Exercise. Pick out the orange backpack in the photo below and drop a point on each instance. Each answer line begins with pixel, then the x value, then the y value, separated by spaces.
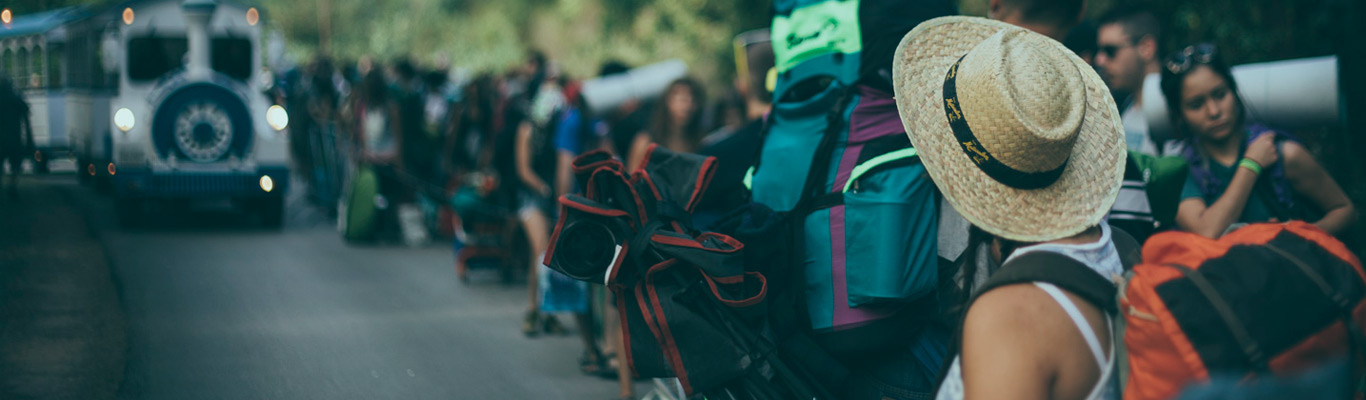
pixel 1267 298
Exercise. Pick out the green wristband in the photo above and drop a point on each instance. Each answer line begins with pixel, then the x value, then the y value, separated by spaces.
pixel 1251 165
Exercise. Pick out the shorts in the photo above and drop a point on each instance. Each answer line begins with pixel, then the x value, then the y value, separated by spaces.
pixel 533 202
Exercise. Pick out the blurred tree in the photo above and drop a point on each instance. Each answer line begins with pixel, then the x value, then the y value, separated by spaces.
pixel 31 6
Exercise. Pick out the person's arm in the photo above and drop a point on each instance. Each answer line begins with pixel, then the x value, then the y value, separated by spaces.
pixel 524 169
pixel 1309 179
pixel 1193 215
pixel 637 155
pixel 564 173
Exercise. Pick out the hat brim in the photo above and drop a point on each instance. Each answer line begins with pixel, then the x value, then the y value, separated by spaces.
pixel 1080 198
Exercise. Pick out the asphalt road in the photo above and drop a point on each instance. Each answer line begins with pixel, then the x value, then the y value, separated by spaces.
pixel 218 308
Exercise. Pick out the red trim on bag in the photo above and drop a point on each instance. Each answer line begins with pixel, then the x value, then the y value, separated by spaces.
pixel 649 152
pixel 645 311
pixel 607 160
pixel 704 177
pixel 697 243
pixel 616 268
pixel 670 347
pixel 746 302
pixel 592 180
pixel 606 212
pixel 625 331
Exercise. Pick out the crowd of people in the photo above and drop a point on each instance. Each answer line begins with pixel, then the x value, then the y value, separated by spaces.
pixel 508 137
pixel 425 134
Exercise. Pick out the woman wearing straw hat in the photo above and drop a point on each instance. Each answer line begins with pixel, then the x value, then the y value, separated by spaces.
pixel 1024 140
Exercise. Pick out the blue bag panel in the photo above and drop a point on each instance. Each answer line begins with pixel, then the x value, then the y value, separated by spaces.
pixel 890 224
pixel 794 133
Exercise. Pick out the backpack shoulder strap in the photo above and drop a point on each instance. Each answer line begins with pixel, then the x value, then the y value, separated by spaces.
pixel 1129 249
pixel 1059 270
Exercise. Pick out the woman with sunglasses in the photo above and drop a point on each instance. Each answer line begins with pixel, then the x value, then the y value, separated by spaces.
pixel 1240 172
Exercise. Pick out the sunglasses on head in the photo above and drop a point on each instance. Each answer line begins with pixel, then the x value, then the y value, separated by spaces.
pixel 1182 61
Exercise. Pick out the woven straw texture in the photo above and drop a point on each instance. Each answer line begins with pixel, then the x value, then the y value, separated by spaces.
pixel 1032 104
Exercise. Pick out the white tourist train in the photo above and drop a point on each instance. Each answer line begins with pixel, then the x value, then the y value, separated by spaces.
pixel 157 99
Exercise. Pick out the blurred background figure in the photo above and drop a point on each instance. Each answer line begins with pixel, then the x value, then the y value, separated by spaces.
pixel 675 124
pixel 16 133
pixel 1127 53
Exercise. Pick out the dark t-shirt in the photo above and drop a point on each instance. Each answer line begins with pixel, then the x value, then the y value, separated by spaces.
pixel 734 155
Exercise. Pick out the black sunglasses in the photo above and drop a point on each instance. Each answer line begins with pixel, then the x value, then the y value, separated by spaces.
pixel 1182 61
pixel 1110 50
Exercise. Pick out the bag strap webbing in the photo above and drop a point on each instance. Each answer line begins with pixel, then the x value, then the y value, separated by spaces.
pixel 1354 334
pixel 1251 349
pixel 1061 271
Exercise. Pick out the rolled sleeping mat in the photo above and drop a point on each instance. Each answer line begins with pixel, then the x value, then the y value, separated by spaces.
pixel 606 93
pixel 1285 94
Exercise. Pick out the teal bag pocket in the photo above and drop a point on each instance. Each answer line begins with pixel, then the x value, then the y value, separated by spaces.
pixel 890 225
pixel 794 134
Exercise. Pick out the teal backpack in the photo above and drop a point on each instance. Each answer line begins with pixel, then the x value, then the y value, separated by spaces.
pixel 837 163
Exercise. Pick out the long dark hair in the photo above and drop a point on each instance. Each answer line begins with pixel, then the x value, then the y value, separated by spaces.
pixel 661 124
pixel 1199 163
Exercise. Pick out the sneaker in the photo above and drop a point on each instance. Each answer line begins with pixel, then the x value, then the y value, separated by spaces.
pixel 529 323
pixel 551 325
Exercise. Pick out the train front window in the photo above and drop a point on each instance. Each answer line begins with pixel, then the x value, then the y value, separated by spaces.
pixel 151 57
pixel 232 57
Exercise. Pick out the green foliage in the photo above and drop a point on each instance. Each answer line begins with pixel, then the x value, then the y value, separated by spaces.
pixel 490 36
pixel 33 6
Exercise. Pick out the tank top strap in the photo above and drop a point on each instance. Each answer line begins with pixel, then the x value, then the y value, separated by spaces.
pixel 1077 319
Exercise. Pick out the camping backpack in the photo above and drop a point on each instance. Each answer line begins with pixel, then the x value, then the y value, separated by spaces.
pixel 1275 299
pixel 837 164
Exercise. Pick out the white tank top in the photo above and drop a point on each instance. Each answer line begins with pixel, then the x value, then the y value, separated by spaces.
pixel 1100 256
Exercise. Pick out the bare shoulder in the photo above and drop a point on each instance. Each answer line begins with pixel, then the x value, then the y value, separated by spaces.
pixel 1018 308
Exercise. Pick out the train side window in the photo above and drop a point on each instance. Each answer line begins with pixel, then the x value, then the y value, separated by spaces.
pixel 151 57
pixel 54 66
pixel 232 57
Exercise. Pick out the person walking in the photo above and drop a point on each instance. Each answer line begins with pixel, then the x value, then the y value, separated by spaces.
pixel 1024 140
pixel 16 132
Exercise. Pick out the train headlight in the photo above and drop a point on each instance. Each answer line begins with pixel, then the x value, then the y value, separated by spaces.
pixel 123 119
pixel 277 117
pixel 267 184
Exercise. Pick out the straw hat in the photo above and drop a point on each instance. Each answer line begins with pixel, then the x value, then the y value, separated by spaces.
pixel 1035 150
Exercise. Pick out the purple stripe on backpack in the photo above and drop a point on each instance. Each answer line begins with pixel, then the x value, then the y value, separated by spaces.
pixel 875 116
pixel 846 317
